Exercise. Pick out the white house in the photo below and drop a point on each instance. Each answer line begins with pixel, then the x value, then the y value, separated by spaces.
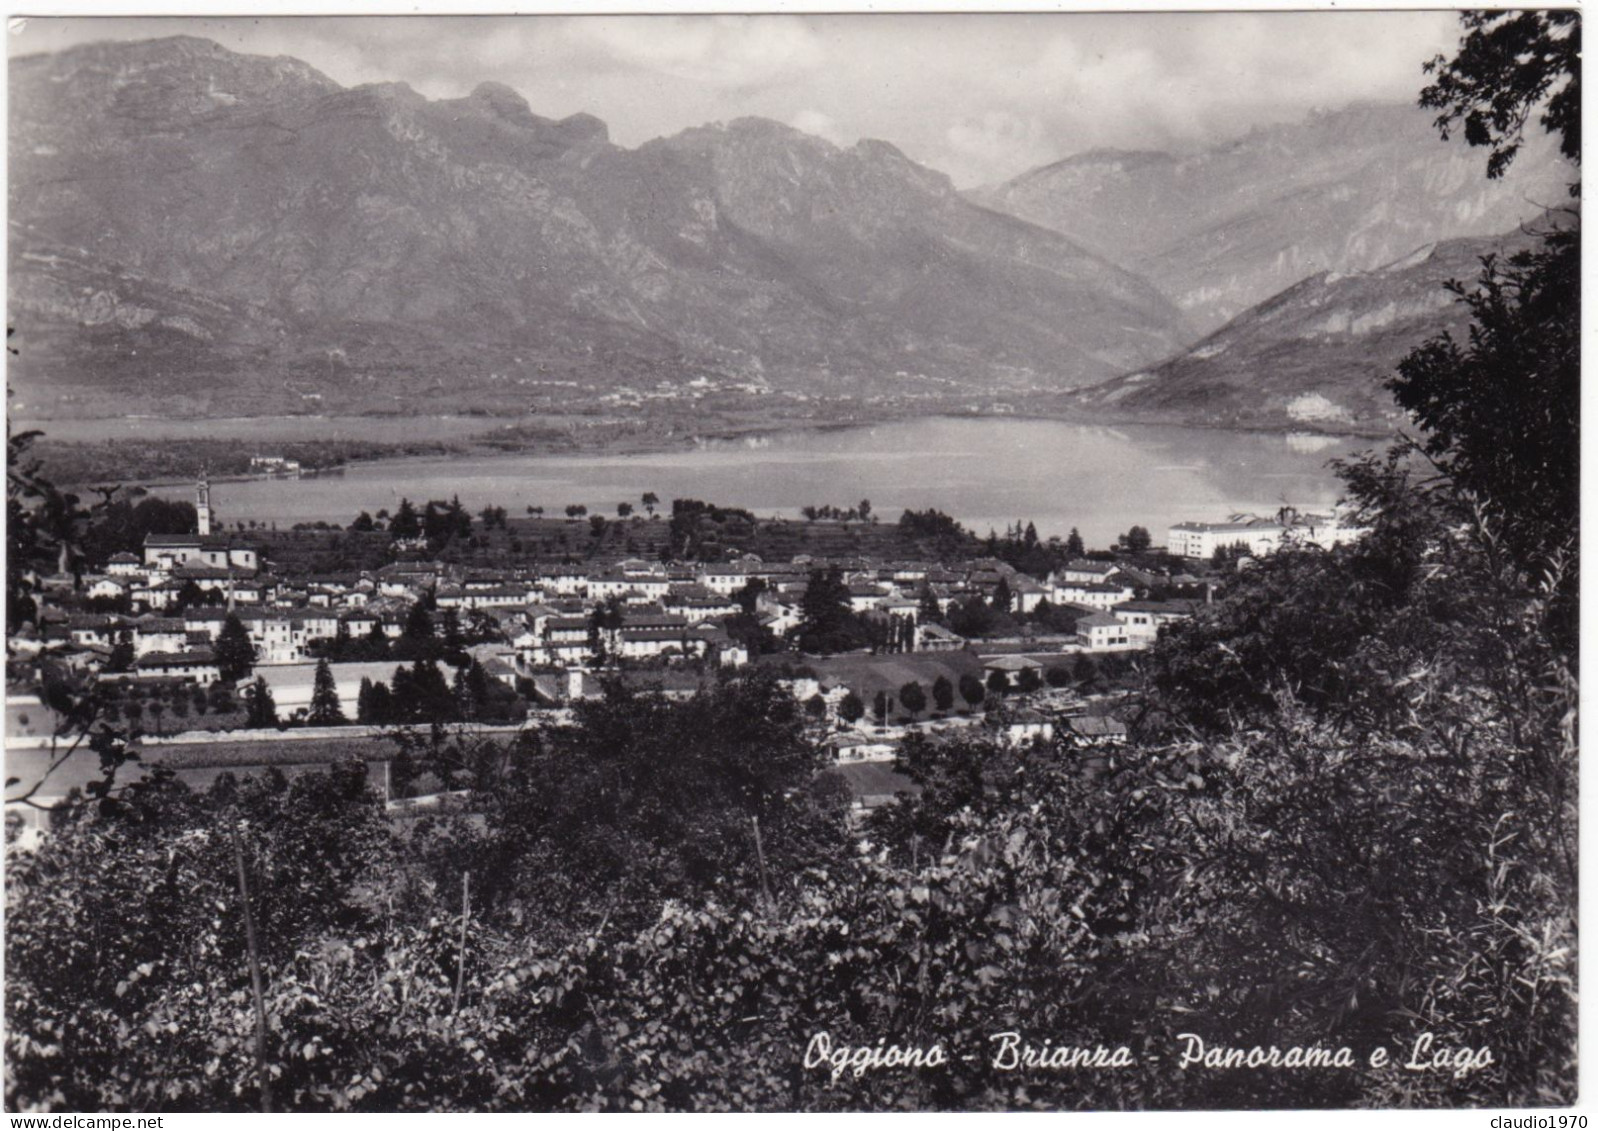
pixel 109 588
pixel 122 564
pixel 1144 619
pixel 1102 632
pixel 1092 594
pixel 1083 570
pixel 199 666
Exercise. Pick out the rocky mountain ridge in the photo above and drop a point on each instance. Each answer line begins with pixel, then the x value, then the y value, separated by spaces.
pixel 1225 228
pixel 1314 356
pixel 235 234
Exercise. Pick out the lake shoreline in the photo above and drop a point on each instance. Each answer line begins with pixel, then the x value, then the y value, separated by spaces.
pixel 987 472
pixel 490 442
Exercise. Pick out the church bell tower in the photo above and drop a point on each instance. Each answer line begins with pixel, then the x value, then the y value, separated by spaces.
pixel 202 504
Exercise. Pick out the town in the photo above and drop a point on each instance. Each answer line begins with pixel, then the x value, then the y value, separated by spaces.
pixel 879 631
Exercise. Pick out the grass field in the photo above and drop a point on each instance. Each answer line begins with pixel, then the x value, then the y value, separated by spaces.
pixel 318 751
pixel 199 763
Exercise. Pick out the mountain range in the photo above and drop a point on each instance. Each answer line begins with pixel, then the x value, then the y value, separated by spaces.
pixel 199 232
pixel 1317 354
pixel 1227 227
pixel 216 232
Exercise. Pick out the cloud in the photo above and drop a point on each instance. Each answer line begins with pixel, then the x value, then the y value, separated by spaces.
pixel 1184 79
pixel 815 122
pixel 722 51
pixel 977 145
pixel 981 97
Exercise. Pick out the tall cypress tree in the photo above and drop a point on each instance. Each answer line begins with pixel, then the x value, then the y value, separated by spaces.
pixel 235 655
pixel 260 710
pixel 404 523
pixel 325 707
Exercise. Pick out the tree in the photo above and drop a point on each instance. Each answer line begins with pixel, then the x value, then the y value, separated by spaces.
pixel 998 683
pixel 421 694
pixel 879 708
pixel 221 698
pixel 450 622
pixel 851 709
pixel 260 711
pixel 1073 545
pixel 235 655
pixel 927 608
pixel 419 623
pixel 165 883
pixel 748 595
pixel 326 709
pixel 598 653
pixel 623 510
pixel 1500 412
pixel 650 501
pixel 606 823
pixel 943 694
pixel 1030 680
pixel 466 701
pixel 376 707
pixel 913 698
pixel 1137 540
pixel 363 524
pixel 1509 64
pixel 1003 598
pixel 405 524
pixel 190 595
pixel 972 691
pixel 865 510
pixel 972 618
pixel 596 526
pixel 826 622
pixel 459 524
pixel 574 511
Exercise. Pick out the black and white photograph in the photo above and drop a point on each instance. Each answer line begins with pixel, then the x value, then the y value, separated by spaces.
pixel 792 562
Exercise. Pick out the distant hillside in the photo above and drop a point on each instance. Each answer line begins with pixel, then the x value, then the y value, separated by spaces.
pixel 1315 354
pixel 1221 230
pixel 204 232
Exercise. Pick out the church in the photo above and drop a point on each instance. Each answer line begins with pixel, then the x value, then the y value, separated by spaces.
pixel 202 548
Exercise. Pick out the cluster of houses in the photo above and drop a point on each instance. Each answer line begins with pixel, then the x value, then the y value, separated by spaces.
pixel 548 624
pixel 545 613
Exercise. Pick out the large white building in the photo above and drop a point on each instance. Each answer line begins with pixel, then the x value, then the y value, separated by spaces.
pixel 1260 536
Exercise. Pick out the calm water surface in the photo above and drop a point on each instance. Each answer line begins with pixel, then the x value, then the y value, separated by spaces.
pixel 986 472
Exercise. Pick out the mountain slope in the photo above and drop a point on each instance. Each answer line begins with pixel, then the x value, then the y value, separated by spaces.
pixel 272 237
pixel 1316 354
pixel 1223 229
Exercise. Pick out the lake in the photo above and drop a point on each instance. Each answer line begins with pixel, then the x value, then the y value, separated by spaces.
pixel 986 472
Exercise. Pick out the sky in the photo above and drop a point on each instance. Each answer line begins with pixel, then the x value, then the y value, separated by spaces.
pixel 980 97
